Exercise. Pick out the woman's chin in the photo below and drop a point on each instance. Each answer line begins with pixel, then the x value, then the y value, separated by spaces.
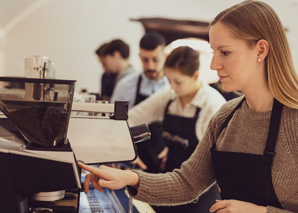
pixel 228 89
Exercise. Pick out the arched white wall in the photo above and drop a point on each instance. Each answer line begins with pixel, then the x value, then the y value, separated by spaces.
pixel 69 32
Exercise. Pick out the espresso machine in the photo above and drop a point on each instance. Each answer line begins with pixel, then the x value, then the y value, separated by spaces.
pixel 41 141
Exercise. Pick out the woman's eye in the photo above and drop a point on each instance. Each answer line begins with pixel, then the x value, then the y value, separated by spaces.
pixel 225 53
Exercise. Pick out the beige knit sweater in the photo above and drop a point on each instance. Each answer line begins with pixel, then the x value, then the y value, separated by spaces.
pixel 247 132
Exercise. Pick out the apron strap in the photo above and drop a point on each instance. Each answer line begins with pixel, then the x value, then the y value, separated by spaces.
pixel 139 84
pixel 273 128
pixel 167 107
pixel 138 90
pixel 225 124
pixel 197 113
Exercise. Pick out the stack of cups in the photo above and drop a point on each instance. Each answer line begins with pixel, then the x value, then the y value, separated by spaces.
pixel 39 67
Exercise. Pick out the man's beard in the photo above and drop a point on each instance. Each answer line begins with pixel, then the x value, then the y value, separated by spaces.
pixel 151 74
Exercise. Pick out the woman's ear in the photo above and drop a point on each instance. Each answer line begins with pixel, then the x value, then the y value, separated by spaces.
pixel 196 75
pixel 262 48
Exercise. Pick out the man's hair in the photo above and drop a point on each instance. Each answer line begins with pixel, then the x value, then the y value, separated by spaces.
pixel 100 50
pixel 151 40
pixel 117 45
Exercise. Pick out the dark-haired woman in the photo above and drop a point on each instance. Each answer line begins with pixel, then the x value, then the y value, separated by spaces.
pixel 185 107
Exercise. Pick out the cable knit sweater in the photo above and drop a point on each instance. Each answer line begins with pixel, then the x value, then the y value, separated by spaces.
pixel 247 133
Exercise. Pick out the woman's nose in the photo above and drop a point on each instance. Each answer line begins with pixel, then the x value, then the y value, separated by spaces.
pixel 215 64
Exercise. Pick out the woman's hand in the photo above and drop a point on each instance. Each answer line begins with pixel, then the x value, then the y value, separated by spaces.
pixel 230 206
pixel 163 156
pixel 140 163
pixel 107 177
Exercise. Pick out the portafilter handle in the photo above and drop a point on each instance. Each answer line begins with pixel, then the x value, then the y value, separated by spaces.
pixel 140 133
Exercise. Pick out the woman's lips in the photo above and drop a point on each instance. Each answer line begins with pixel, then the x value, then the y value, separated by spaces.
pixel 223 77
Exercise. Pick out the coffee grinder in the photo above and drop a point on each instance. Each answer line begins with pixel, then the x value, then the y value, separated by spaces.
pixel 44 166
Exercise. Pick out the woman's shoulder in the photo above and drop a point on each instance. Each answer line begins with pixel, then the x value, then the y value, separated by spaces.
pixel 289 129
pixel 289 110
pixel 290 116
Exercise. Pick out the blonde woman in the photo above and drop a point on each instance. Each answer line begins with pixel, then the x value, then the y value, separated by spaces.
pixel 251 145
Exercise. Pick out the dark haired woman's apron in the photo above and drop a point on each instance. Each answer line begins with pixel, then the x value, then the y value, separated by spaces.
pixel 149 150
pixel 180 135
pixel 247 177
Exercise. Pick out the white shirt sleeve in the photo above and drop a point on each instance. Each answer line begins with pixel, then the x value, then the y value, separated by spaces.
pixel 151 109
pixel 212 103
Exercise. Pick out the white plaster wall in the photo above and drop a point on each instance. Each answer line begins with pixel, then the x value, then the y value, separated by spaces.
pixel 69 31
pixel 1 52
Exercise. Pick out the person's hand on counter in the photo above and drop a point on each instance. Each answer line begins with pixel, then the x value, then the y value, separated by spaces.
pixel 140 163
pixel 107 177
pixel 222 206
pixel 163 156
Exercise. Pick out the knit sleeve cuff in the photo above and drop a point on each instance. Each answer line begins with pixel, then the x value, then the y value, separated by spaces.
pixel 271 209
pixel 141 193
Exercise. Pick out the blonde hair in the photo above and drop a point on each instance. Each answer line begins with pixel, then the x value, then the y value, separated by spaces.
pixel 255 20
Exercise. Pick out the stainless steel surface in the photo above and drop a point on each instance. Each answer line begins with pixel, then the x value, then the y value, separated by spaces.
pixel 48 196
pixel 93 107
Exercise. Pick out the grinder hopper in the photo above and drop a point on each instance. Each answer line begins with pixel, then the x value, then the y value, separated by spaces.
pixel 39 108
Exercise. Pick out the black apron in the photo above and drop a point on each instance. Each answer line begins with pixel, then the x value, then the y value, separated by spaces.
pixel 247 177
pixel 108 81
pixel 149 150
pixel 180 135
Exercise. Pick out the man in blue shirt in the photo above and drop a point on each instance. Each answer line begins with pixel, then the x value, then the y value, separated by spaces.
pixel 138 86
